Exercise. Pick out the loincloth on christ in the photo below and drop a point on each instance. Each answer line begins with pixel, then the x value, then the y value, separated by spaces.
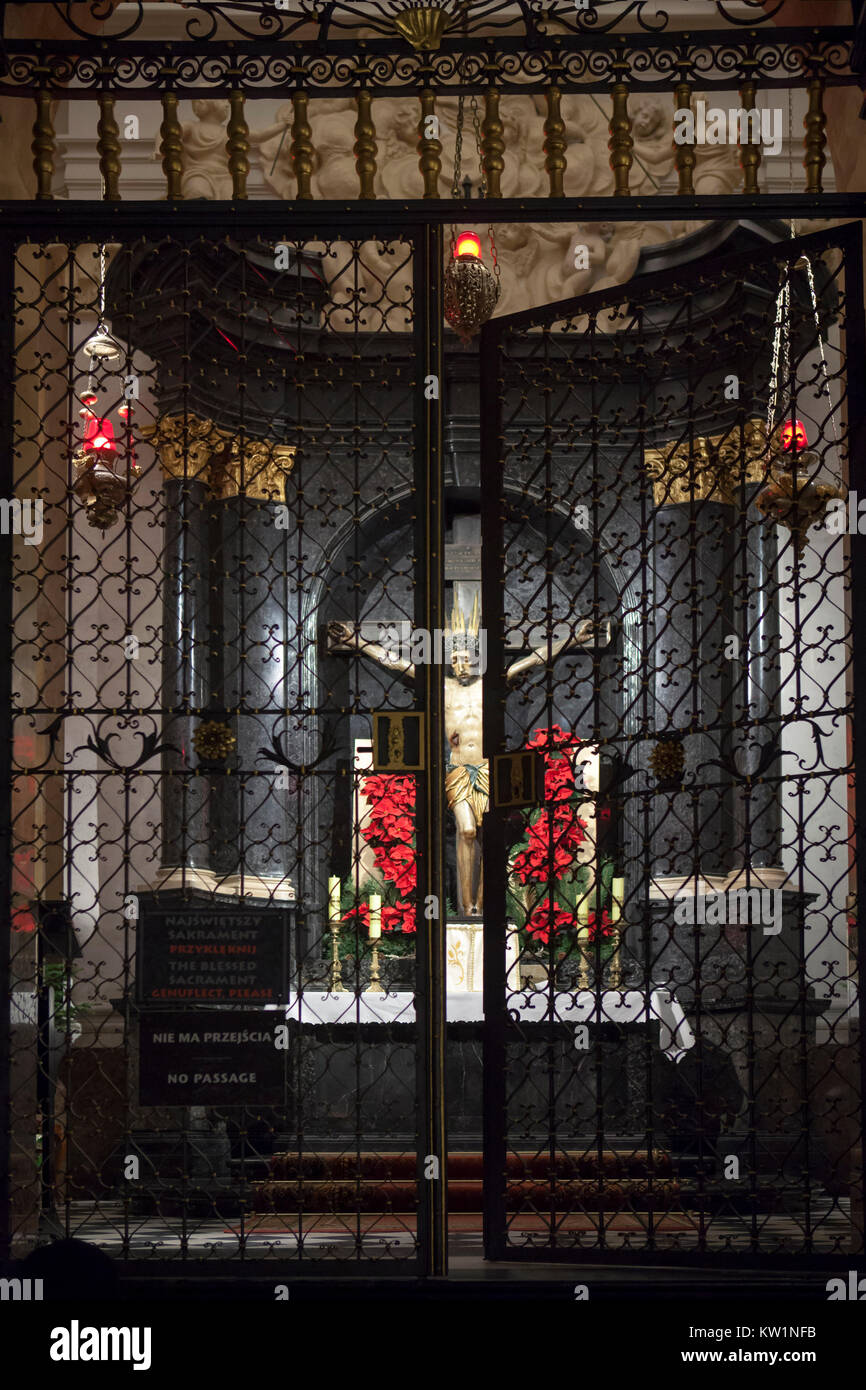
pixel 466 782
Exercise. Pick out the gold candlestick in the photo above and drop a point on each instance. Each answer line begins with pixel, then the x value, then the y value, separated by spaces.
pixel 375 986
pixel 615 976
pixel 617 897
pixel 335 973
pixel 584 945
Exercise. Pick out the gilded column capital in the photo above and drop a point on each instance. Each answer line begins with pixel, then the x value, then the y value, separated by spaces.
pixel 185 445
pixel 198 450
pixel 709 468
pixel 260 469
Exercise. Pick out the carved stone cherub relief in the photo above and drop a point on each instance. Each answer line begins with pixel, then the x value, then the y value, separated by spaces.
pixel 537 260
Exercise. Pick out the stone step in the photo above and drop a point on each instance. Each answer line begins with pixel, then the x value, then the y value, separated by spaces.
pixel 376 1166
pixel 465 1195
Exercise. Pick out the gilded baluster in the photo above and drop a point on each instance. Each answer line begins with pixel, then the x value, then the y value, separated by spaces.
pixel 816 140
pixel 43 146
pixel 238 145
pixel 302 145
pixel 171 146
pixel 685 156
pixel 750 150
pixel 554 143
pixel 620 143
pixel 492 145
pixel 429 148
pixel 108 148
pixel 366 148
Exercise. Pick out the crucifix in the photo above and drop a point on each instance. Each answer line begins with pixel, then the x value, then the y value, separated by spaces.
pixel 467 777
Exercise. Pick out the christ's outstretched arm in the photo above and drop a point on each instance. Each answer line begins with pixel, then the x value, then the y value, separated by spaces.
pixel 587 633
pixel 343 637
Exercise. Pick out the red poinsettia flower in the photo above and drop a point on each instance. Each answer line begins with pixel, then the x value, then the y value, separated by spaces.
pixel 388 805
pixel 397 863
pixel 389 829
pixel 558 779
pixel 548 920
pixel 399 792
pixel 599 928
pixel 22 919
pixel 561 829
pixel 553 737
pixel 552 842
pixel 390 825
pixel 362 911
pixel 400 918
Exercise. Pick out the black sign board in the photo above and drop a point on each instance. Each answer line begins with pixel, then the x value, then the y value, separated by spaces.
pixel 398 741
pixel 205 953
pixel 211 1057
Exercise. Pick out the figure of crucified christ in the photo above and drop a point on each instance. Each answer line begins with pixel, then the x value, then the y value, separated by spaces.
pixel 467 778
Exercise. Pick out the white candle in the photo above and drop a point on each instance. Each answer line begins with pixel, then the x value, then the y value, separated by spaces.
pixel 617 893
pixel 333 900
pixel 375 916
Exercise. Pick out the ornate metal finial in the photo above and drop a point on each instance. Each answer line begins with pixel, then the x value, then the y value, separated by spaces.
pixel 667 760
pixel 213 740
pixel 422 25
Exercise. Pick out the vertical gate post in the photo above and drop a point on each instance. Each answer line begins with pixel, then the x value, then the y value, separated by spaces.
pixel 430 983
pixel 7 455
pixel 494 852
pixel 855 356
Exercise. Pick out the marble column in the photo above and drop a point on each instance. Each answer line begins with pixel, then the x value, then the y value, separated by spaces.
pixel 713 578
pixel 185 446
pixel 713 655
pixel 251 845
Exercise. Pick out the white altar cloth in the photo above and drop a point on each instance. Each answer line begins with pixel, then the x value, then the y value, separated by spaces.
pixel 528 1006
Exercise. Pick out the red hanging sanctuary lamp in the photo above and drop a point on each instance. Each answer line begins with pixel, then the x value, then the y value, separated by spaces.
pixel 471 289
pixel 103 477
pixel 468 244
pixel 105 473
pixel 790 496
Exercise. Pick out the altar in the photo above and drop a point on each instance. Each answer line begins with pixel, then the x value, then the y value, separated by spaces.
pixel 658 1007
pixel 356 1062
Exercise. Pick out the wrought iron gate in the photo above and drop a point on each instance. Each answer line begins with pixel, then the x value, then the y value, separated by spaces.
pixel 672 1061
pixel 672 1058
pixel 196 592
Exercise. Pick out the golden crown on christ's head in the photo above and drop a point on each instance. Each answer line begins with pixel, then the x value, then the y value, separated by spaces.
pixel 464 642
pixel 458 620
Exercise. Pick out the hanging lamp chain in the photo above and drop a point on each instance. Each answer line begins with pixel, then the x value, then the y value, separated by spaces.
pixel 779 364
pixel 781 390
pixel 458 149
pixel 476 126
